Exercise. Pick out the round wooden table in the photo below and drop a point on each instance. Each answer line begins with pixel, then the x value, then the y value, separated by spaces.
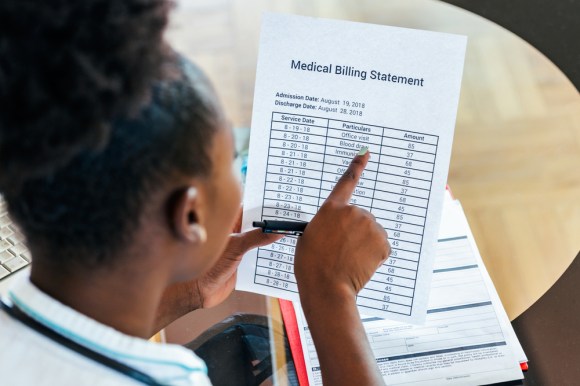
pixel 517 141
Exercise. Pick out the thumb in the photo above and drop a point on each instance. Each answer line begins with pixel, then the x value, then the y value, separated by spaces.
pixel 253 239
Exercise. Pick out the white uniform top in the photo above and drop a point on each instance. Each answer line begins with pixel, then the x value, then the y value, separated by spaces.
pixel 29 358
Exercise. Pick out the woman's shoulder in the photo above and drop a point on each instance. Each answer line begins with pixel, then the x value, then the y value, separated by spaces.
pixel 28 358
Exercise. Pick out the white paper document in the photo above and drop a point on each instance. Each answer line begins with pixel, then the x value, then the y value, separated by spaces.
pixel 467 338
pixel 324 89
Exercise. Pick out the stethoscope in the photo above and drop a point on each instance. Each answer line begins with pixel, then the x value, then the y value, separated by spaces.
pixel 129 371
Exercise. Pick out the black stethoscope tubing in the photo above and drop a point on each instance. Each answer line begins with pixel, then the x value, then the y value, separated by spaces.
pixel 122 368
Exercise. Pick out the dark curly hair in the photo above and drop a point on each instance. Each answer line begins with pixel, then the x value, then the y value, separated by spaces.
pixel 67 65
pixel 80 147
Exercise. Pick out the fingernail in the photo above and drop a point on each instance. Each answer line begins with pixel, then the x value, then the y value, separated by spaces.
pixel 363 150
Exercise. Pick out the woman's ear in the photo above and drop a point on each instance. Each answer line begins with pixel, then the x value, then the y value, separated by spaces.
pixel 187 218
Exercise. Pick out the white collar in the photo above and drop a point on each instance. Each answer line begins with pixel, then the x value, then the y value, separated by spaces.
pixel 165 362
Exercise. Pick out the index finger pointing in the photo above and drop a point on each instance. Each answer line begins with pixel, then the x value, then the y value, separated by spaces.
pixel 348 181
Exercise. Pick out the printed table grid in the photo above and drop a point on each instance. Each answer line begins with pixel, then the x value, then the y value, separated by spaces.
pixel 306 157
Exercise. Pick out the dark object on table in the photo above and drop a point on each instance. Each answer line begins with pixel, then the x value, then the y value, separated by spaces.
pixel 237 352
pixel 549 332
pixel 550 26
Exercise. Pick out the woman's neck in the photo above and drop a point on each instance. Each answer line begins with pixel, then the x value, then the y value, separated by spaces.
pixel 125 298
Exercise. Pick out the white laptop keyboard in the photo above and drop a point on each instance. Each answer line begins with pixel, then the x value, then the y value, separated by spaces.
pixel 13 253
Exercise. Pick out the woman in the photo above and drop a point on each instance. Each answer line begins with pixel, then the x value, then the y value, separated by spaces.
pixel 116 163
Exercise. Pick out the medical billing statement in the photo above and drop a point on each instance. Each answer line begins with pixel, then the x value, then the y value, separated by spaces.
pixel 324 91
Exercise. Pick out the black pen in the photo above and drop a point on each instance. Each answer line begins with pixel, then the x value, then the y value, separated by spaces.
pixel 295 228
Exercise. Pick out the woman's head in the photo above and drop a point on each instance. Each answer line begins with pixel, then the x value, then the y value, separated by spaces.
pixel 67 68
pixel 86 191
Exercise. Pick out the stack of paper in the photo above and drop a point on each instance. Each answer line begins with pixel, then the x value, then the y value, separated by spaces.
pixel 324 89
pixel 467 338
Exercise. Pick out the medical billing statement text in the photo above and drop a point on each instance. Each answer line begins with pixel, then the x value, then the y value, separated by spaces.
pixel 306 129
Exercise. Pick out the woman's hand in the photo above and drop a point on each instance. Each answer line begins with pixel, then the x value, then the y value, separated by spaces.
pixel 214 286
pixel 343 245
pixel 340 250
pixel 218 283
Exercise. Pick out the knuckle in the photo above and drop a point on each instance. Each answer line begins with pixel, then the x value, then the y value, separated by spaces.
pixel 369 215
pixel 387 249
pixel 356 161
pixel 240 244
pixel 351 210
pixel 327 206
pixel 348 175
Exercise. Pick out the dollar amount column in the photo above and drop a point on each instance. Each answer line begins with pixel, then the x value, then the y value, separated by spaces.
pixel 292 190
pixel 401 199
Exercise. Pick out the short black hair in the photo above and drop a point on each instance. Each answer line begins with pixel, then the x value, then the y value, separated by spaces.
pixel 83 196
pixel 66 69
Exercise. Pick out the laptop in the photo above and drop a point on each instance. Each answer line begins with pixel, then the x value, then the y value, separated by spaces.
pixel 14 255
